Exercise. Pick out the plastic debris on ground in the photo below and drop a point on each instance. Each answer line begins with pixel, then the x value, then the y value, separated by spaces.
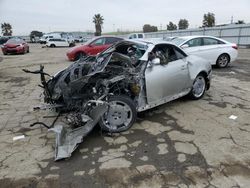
pixel 233 117
pixel 18 137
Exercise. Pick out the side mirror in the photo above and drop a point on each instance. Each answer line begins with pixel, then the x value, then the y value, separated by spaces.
pixel 156 61
pixel 185 46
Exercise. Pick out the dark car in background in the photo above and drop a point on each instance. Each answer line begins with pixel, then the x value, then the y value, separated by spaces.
pixel 92 47
pixel 15 46
pixel 4 39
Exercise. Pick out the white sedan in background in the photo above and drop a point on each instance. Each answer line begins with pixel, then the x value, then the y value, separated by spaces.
pixel 217 51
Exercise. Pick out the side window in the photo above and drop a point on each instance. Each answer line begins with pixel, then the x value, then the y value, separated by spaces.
pixel 194 42
pixel 111 40
pixel 211 41
pixel 166 53
pixel 179 53
pixel 140 36
pixel 99 42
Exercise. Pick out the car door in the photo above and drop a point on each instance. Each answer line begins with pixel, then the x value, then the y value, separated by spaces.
pixel 170 78
pixel 64 42
pixel 211 49
pixel 97 46
pixel 193 46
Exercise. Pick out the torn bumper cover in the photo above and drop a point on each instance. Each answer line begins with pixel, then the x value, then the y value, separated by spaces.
pixel 67 140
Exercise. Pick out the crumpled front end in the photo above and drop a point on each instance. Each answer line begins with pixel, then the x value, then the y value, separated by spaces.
pixel 67 140
pixel 82 94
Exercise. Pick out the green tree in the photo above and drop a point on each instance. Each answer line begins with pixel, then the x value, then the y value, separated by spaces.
pixel 171 26
pixel 34 34
pixel 183 24
pixel 149 28
pixel 208 20
pixel 98 21
pixel 6 29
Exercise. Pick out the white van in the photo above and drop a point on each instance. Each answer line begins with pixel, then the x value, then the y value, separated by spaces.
pixel 136 36
pixel 45 37
pixel 59 42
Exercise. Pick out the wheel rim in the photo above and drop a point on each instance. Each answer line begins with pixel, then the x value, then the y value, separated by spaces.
pixel 80 55
pixel 199 86
pixel 119 116
pixel 223 61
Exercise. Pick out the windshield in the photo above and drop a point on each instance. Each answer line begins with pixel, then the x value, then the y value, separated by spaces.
pixel 124 48
pixel 90 41
pixel 15 41
pixel 178 41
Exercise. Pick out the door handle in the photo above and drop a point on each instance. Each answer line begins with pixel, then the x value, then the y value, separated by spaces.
pixel 183 67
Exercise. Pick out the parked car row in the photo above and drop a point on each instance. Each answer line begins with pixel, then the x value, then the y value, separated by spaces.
pixel 217 51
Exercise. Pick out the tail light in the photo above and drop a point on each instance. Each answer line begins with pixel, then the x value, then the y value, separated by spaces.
pixel 235 47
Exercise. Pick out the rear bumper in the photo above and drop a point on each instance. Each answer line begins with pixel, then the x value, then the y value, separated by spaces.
pixel 234 55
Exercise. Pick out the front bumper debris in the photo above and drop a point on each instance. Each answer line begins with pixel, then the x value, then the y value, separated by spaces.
pixel 68 139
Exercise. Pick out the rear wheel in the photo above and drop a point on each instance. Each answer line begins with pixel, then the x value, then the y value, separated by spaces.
pixel 24 51
pixel 120 116
pixel 52 45
pixel 223 61
pixel 79 55
pixel 199 87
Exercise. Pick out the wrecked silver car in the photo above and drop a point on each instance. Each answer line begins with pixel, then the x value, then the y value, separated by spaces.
pixel 109 89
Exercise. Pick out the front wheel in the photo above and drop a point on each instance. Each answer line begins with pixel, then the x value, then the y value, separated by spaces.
pixel 120 116
pixel 222 61
pixel 199 87
pixel 79 55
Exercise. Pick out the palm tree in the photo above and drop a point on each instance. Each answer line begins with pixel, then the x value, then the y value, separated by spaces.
pixel 6 29
pixel 98 21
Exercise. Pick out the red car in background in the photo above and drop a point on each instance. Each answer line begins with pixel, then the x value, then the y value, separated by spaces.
pixel 92 47
pixel 15 46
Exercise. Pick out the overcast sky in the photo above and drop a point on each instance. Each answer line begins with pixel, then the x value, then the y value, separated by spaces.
pixel 76 15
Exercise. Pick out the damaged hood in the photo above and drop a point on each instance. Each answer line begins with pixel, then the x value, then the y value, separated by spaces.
pixel 79 71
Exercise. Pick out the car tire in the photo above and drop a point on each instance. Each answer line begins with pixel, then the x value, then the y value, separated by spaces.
pixel 198 88
pixel 71 45
pixel 79 55
pixel 24 51
pixel 52 46
pixel 223 61
pixel 28 50
pixel 114 120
